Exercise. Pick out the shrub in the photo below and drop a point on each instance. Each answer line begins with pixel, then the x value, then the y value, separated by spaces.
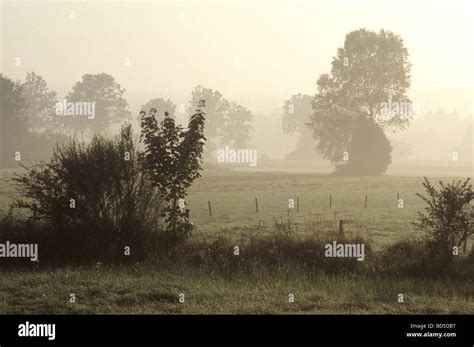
pixel 369 150
pixel 447 219
pixel 406 257
pixel 273 252
pixel 95 198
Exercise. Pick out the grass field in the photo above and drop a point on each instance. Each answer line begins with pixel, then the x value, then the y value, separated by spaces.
pixel 146 289
pixel 154 288
pixel 232 196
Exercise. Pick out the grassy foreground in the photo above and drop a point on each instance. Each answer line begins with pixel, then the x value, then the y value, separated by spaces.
pixel 145 289
pixel 154 287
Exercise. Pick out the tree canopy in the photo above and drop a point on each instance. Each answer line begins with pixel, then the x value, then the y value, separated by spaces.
pixel 370 71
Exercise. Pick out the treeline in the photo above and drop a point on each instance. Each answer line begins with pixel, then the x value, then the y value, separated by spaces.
pixel 33 118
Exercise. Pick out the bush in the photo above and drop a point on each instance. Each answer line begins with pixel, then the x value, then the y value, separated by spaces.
pixel 273 252
pixel 95 198
pixel 370 152
pixel 404 258
pixel 448 217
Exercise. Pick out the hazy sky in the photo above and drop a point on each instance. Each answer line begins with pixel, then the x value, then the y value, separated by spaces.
pixel 255 52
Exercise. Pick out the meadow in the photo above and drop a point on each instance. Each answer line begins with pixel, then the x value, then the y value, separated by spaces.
pixel 154 286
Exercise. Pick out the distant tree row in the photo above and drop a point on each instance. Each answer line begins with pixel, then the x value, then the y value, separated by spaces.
pixel 33 119
pixel 227 122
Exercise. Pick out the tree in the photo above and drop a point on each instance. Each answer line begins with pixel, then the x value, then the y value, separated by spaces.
pixel 105 96
pixel 40 103
pixel 216 107
pixel 161 106
pixel 369 79
pixel 13 124
pixel 173 158
pixel 236 126
pixel 447 218
pixel 227 123
pixel 295 119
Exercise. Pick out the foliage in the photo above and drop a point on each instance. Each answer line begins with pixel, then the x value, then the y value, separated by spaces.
pixel 110 105
pixel 227 123
pixel 173 158
pixel 161 106
pixel 371 69
pixel 40 103
pixel 17 106
pixel 95 197
pixel 368 150
pixel 447 218
pixel 296 112
pixel 295 120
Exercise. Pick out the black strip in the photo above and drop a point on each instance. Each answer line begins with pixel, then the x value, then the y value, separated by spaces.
pixel 217 329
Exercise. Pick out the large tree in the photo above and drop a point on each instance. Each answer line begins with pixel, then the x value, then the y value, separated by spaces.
pixel 369 72
pixel 110 106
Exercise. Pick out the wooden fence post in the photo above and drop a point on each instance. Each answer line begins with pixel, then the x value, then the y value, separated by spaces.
pixel 365 202
pixel 256 204
pixel 330 201
pixel 210 211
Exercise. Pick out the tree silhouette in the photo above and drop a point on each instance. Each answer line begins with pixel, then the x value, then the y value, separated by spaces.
pixel 173 158
pixel 110 106
pixel 370 70
pixel 227 123
pixel 295 119
pixel 17 143
pixel 369 151
pixel 161 106
pixel 14 127
pixel 448 216
pixel 236 126
pixel 39 103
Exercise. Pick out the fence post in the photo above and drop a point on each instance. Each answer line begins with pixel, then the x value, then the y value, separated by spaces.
pixel 256 204
pixel 365 202
pixel 297 204
pixel 341 228
pixel 210 211
pixel 330 201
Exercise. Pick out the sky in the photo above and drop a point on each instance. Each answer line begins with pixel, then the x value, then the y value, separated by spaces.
pixel 257 53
